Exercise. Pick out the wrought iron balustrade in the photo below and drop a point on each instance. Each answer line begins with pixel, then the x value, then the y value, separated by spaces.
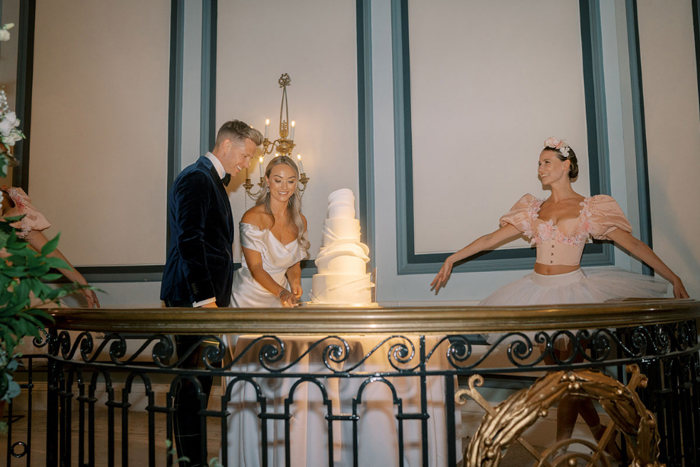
pixel 340 353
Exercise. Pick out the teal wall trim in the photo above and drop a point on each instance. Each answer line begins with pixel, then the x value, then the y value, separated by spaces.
pixel 640 136
pixel 402 134
pixel 696 36
pixel 365 124
pixel 177 36
pixel 207 131
pixel 408 262
pixel 97 274
pixel 23 100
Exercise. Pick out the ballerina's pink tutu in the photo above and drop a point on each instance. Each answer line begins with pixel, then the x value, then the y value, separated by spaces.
pixel 590 286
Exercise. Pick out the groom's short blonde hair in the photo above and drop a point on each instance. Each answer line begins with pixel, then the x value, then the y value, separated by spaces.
pixel 238 131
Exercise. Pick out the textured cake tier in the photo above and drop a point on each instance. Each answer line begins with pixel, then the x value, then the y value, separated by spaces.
pixel 340 229
pixel 341 204
pixel 341 262
pixel 341 289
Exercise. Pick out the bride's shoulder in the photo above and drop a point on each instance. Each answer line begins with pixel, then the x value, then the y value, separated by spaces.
pixel 256 216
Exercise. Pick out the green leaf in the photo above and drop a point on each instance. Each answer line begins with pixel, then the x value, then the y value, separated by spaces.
pixel 33 331
pixel 51 277
pixel 57 263
pixel 22 289
pixel 39 271
pixel 23 253
pixel 50 245
pixel 4 236
pixel 13 219
pixel 15 272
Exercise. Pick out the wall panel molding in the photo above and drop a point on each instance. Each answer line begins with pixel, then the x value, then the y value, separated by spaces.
pixel 25 78
pixel 640 137
pixel 408 262
pixel 365 125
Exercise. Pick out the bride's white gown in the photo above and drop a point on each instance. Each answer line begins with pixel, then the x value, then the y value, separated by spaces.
pixel 276 257
pixel 377 424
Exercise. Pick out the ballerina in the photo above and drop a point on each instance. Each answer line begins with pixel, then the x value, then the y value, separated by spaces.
pixel 15 202
pixel 559 227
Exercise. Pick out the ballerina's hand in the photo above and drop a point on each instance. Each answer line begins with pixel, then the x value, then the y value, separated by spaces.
pixel 442 276
pixel 679 290
pixel 91 297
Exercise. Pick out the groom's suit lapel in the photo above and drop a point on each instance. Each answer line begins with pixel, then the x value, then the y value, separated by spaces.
pixel 222 194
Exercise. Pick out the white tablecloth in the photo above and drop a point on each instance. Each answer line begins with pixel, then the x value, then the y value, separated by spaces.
pixel 377 425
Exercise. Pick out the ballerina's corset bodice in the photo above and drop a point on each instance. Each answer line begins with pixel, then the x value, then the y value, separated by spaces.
pixel 562 243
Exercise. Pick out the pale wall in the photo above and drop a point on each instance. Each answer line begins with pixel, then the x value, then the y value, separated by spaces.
pixel 258 41
pixel 99 128
pixel 673 134
pixel 319 54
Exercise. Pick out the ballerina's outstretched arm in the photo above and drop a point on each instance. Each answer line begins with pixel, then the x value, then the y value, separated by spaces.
pixel 641 250
pixel 506 233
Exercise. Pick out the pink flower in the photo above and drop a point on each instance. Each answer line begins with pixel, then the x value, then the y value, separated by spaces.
pixel 545 231
pixel 552 142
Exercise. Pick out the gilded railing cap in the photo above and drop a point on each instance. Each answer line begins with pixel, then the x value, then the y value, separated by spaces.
pixel 376 320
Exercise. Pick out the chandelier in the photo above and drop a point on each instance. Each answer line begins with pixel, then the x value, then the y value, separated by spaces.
pixel 282 146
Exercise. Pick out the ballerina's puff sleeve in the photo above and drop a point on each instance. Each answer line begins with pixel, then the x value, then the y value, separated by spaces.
pixel 32 220
pixel 521 214
pixel 604 216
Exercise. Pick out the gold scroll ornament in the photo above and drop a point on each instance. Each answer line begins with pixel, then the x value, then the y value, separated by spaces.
pixel 504 424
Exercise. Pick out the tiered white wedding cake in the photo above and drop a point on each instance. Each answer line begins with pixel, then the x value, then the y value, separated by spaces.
pixel 342 277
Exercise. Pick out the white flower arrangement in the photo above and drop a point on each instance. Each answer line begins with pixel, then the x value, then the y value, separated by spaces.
pixel 9 123
pixel 5 32
pixel 9 131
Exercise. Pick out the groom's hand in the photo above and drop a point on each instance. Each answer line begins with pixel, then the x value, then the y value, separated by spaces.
pixel 210 305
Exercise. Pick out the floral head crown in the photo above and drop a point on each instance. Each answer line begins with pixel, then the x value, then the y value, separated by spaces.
pixel 558 144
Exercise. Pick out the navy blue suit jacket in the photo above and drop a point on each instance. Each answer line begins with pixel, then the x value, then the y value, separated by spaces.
pixel 200 257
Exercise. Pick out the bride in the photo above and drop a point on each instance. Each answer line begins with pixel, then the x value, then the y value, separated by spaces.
pixel 274 240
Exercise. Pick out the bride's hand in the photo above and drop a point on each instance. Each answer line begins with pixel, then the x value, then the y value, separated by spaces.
pixel 297 291
pixel 442 276
pixel 288 299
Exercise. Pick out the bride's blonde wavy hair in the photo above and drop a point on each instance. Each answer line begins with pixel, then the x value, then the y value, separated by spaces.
pixel 294 203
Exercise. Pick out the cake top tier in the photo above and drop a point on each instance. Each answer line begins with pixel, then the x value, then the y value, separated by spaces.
pixel 341 204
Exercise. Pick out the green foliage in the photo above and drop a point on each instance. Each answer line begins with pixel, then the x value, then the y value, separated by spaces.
pixel 23 276
pixel 3 164
pixel 213 462
pixel 173 452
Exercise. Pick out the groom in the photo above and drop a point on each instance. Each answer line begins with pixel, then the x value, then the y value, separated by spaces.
pixel 199 267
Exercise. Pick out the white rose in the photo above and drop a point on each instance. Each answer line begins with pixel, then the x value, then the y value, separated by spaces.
pixel 14 137
pixel 4 35
pixel 12 118
pixel 11 139
pixel 5 127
